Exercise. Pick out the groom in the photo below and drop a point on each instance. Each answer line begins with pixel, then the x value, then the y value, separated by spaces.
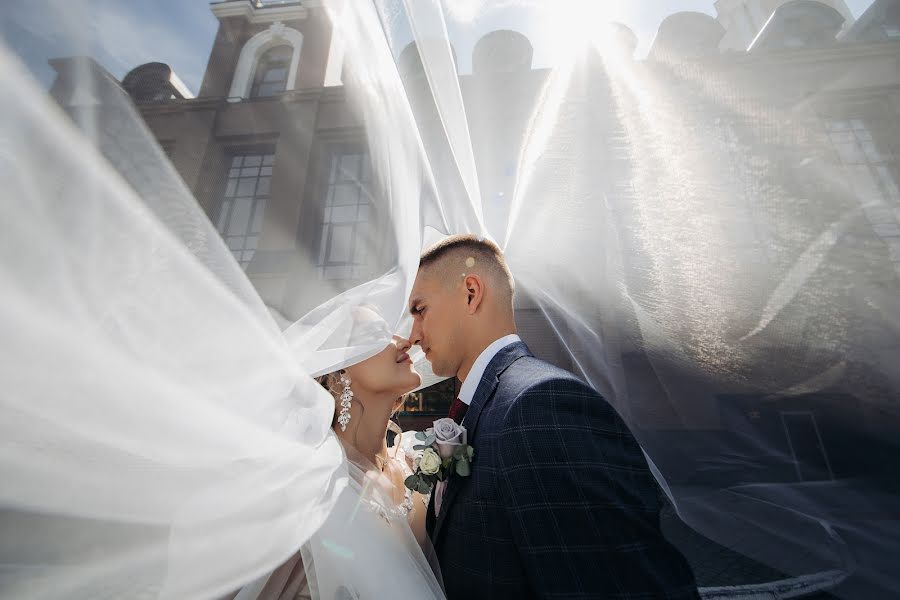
pixel 560 502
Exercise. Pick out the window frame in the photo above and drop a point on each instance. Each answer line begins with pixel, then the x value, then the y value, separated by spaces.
pixel 326 179
pixel 259 201
pixel 276 35
pixel 865 143
pixel 263 68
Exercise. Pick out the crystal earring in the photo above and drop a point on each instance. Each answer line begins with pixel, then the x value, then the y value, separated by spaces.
pixel 346 397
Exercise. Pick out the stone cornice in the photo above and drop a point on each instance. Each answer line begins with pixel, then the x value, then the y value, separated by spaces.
pixel 835 53
pixel 176 106
pixel 331 94
pixel 268 14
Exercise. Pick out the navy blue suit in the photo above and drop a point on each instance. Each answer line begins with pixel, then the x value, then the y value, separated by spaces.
pixel 560 502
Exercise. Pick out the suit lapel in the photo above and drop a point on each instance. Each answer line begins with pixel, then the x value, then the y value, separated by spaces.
pixel 483 395
pixel 485 390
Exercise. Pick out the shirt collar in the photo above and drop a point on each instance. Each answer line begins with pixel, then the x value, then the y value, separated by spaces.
pixel 468 387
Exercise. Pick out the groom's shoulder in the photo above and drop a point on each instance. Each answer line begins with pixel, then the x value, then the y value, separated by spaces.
pixel 533 376
pixel 533 390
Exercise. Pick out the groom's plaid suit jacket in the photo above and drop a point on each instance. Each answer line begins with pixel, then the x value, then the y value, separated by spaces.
pixel 560 502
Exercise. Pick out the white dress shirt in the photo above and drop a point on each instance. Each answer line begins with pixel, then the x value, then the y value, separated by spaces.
pixel 468 387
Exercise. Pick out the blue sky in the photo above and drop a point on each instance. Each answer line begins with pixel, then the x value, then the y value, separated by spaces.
pixel 121 35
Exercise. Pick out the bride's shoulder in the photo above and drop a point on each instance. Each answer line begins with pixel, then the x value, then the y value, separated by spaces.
pixel 405 443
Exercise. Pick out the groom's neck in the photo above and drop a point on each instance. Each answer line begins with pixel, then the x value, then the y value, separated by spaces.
pixel 480 346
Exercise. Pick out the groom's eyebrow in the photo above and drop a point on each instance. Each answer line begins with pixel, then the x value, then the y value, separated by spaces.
pixel 412 305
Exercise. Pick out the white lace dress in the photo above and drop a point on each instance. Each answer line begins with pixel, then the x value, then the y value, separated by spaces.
pixel 406 457
pixel 328 566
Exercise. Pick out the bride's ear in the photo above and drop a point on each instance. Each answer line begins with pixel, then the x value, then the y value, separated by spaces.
pixel 474 289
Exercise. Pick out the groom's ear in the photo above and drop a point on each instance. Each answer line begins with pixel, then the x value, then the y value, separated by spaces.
pixel 474 289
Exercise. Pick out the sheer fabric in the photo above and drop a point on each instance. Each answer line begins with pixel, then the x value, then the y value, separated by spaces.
pixel 365 548
pixel 698 247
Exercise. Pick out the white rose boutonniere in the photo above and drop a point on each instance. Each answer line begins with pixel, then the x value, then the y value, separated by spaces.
pixel 430 462
pixel 445 451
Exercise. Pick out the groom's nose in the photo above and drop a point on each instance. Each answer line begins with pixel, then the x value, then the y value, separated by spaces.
pixel 415 336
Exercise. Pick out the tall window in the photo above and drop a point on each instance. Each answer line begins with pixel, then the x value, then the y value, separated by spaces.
pixel 870 171
pixel 244 202
pixel 272 72
pixel 346 236
pixel 892 21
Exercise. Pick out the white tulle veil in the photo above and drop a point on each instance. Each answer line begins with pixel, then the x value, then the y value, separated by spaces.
pixel 692 250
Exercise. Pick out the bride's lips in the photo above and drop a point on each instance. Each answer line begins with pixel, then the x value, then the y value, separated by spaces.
pixel 404 358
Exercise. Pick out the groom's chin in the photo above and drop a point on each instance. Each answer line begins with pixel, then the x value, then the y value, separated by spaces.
pixel 441 370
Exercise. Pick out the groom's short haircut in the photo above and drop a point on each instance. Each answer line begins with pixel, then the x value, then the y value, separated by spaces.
pixel 449 258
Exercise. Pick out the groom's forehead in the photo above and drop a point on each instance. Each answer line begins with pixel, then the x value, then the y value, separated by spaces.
pixel 426 285
pixel 419 293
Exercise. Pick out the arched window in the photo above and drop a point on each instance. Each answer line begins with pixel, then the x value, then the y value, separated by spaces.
pixel 268 63
pixel 272 72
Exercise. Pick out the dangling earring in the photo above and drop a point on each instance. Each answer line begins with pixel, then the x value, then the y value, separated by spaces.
pixel 346 397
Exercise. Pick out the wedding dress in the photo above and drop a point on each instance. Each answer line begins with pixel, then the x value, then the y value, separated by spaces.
pixel 365 548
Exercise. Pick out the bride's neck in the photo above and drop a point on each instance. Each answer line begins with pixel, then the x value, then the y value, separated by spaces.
pixel 367 428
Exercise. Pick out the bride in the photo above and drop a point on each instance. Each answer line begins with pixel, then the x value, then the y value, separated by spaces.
pixel 196 452
pixel 387 520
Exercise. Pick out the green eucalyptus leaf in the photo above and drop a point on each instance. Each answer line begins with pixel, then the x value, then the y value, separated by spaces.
pixel 420 447
pixel 411 482
pixel 424 488
pixel 420 435
pixel 470 452
pixel 462 468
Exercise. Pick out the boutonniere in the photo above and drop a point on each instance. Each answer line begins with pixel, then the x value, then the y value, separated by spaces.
pixel 444 452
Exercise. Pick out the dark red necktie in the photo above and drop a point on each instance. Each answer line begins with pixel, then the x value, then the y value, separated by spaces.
pixel 458 411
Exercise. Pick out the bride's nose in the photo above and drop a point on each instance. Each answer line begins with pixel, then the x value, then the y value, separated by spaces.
pixel 403 344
